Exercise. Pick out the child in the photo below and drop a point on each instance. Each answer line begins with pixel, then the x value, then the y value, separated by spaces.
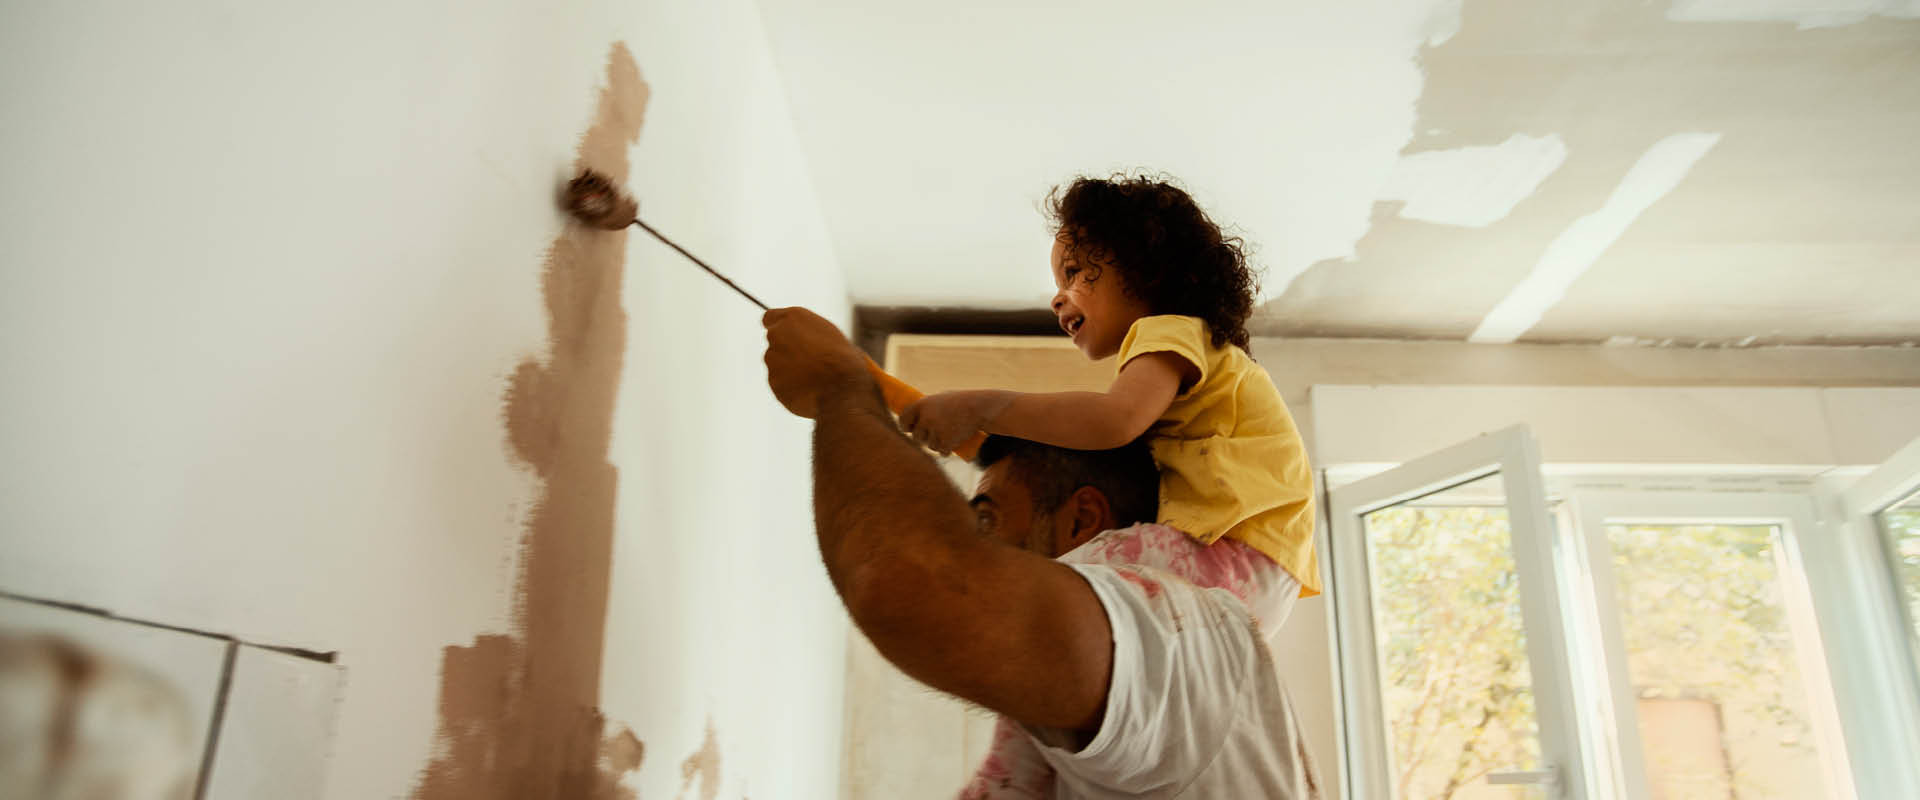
pixel 1143 274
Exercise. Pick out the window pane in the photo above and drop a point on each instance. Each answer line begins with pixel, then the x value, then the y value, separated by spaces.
pixel 1712 658
pixel 1900 524
pixel 1455 684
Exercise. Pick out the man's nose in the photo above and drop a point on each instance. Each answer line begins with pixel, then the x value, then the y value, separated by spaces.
pixel 1059 299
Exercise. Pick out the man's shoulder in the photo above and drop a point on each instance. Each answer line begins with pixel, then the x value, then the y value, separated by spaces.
pixel 1185 659
pixel 1163 610
pixel 1134 544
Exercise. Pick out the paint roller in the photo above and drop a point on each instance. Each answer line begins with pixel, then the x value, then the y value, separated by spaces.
pixel 595 200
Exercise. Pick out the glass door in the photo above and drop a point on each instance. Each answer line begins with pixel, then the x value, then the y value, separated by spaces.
pixel 1449 613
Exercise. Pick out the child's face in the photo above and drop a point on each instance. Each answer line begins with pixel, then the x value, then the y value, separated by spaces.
pixel 1097 312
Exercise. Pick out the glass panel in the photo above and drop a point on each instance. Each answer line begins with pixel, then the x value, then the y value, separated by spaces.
pixel 1900 524
pixel 1455 685
pixel 1712 658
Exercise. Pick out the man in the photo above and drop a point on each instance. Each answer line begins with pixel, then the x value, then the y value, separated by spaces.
pixel 1129 679
pixel 1049 500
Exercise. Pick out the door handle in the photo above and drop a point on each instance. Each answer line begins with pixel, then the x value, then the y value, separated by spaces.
pixel 1549 777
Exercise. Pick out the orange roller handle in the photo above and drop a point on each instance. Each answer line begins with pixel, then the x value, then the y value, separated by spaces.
pixel 899 394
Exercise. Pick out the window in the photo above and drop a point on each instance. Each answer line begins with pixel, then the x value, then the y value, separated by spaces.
pixel 1498 643
pixel 1724 709
pixel 1899 526
pixel 1878 667
pixel 1449 628
pixel 1710 643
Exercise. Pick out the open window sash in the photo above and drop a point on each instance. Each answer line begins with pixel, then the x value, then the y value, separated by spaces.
pixel 1801 558
pixel 1877 676
pixel 1503 471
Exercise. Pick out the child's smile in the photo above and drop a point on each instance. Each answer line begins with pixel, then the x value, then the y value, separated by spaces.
pixel 1092 305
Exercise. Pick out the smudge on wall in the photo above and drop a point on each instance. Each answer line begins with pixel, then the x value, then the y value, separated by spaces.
pixel 519 714
pixel 703 767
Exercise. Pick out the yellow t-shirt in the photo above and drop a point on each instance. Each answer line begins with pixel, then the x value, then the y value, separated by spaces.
pixel 1231 461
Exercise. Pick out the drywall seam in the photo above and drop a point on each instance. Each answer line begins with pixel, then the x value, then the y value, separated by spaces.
pixel 1658 171
pixel 519 716
pixel 1473 187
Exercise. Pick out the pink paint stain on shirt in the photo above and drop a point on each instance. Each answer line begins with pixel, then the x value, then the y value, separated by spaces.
pixel 1150 587
pixel 1013 768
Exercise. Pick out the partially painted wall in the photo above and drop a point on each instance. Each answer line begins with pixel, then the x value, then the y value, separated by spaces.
pixel 296 346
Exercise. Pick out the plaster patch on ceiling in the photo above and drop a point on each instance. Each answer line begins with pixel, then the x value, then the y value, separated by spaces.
pixel 1657 172
pixel 1804 13
pixel 1444 23
pixel 1473 187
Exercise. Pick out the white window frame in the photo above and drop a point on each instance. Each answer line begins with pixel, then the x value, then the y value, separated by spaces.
pixel 1512 454
pixel 1800 440
pixel 1794 515
pixel 1873 664
pixel 1837 566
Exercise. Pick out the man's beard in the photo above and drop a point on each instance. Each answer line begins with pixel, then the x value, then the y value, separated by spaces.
pixel 1040 536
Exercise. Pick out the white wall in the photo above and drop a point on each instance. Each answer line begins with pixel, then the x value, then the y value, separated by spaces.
pixel 264 269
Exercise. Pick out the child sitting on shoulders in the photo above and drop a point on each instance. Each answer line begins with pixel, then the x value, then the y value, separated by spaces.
pixel 1143 274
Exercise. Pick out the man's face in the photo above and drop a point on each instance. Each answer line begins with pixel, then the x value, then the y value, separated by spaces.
pixel 1005 511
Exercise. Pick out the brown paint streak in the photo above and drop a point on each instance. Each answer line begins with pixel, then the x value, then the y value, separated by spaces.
pixel 622 752
pixel 703 766
pixel 519 713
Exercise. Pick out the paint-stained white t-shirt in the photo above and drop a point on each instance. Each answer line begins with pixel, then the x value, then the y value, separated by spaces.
pixel 1195 708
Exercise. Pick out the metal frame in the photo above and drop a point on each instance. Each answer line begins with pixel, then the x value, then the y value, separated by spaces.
pixel 1515 457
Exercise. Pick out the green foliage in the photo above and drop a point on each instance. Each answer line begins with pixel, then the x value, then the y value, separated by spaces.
pixel 1452 647
pixel 1703 618
pixel 1902 528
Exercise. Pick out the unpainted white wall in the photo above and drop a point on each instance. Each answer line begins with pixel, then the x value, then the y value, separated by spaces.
pixel 264 269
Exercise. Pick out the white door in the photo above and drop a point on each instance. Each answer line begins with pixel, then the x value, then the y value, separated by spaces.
pixel 1450 625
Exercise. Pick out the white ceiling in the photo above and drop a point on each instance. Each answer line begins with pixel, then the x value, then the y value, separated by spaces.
pixel 1719 171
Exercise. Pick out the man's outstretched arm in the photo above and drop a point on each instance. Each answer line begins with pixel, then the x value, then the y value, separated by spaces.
pixel 1004 628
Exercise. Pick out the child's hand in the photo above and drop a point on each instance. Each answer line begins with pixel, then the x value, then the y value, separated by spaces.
pixel 943 421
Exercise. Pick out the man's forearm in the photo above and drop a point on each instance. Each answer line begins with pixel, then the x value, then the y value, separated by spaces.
pixel 984 621
pixel 878 499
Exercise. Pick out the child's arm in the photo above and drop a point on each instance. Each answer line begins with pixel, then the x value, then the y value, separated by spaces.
pixel 1141 393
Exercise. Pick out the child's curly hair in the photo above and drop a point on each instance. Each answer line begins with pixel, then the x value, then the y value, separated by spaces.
pixel 1167 251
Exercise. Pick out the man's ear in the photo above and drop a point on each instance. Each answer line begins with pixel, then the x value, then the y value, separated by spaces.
pixel 1091 515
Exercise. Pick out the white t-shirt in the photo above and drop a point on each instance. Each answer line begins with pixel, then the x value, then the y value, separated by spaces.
pixel 1195 708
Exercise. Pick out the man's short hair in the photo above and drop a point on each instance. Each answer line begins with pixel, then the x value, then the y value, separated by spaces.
pixel 1125 474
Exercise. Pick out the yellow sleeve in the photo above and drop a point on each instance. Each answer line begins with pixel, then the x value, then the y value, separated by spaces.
pixel 1185 337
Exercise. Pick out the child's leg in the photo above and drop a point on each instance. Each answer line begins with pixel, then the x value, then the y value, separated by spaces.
pixel 1282 589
